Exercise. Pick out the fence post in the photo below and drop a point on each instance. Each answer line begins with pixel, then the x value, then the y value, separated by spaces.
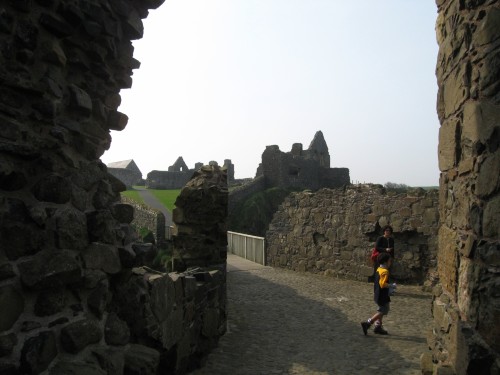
pixel 253 248
pixel 263 251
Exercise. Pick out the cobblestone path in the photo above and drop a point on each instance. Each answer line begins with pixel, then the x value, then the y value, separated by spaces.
pixel 283 322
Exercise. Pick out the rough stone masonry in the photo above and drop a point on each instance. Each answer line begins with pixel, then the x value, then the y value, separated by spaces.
pixel 332 231
pixel 466 305
pixel 74 298
pixel 62 66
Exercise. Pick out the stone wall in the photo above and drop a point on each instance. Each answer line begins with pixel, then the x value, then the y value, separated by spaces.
pixel 128 177
pixel 200 214
pixel 332 232
pixel 167 180
pixel 126 171
pixel 149 218
pixel 178 174
pixel 467 303
pixel 72 299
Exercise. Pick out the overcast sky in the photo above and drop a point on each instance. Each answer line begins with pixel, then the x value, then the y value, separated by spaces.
pixel 223 79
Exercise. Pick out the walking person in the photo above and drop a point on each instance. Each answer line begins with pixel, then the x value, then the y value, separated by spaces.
pixel 381 295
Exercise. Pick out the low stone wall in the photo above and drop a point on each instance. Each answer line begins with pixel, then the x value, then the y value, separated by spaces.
pixel 80 334
pixel 147 217
pixel 168 179
pixel 332 231
pixel 180 315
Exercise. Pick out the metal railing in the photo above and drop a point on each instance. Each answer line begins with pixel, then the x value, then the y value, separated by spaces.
pixel 246 246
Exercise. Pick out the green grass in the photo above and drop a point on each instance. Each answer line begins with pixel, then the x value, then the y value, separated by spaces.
pixel 134 195
pixel 166 197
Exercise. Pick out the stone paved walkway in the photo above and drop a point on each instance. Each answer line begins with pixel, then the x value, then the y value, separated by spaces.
pixel 283 322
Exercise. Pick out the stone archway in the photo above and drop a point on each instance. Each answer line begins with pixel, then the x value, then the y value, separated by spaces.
pixel 63 66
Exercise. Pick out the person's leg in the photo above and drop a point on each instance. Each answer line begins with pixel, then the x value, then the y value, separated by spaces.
pixel 377 317
pixel 383 310
pixel 374 319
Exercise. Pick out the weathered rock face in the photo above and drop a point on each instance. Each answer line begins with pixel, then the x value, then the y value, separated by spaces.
pixel 332 232
pixel 200 213
pixel 147 217
pixel 70 301
pixel 467 303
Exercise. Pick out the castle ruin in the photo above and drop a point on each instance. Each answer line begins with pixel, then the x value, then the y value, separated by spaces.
pixel 297 169
pixel 301 169
pixel 65 238
pixel 126 171
pixel 179 174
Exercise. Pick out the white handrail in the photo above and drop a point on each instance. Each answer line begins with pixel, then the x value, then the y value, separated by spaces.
pixel 247 246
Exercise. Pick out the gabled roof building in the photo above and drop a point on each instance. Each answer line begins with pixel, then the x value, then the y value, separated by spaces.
pixel 126 171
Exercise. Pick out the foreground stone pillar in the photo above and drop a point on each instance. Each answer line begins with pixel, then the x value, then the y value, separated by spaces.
pixel 73 297
pixel 200 233
pixel 466 305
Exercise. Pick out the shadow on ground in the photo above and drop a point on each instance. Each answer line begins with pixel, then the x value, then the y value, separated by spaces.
pixel 282 322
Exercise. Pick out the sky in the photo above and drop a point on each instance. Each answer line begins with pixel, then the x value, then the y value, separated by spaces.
pixel 223 79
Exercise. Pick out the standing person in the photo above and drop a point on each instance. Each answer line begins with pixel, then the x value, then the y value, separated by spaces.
pixel 380 295
pixel 384 244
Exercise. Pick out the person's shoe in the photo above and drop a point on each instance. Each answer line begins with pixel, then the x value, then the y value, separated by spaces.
pixel 365 326
pixel 380 331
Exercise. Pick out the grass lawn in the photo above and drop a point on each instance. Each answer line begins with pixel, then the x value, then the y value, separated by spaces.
pixel 134 195
pixel 166 197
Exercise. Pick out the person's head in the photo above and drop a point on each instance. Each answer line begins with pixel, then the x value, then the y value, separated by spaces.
pixel 384 258
pixel 387 230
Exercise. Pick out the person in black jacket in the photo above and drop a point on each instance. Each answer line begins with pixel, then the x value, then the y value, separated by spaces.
pixel 381 295
pixel 384 244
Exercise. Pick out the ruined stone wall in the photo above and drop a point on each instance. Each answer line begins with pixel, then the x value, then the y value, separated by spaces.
pixel 149 218
pixel 288 170
pixel 335 177
pixel 71 301
pixel 176 176
pixel 200 218
pixel 297 170
pixel 467 303
pixel 128 177
pixel 168 180
pixel 332 232
pixel 240 193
